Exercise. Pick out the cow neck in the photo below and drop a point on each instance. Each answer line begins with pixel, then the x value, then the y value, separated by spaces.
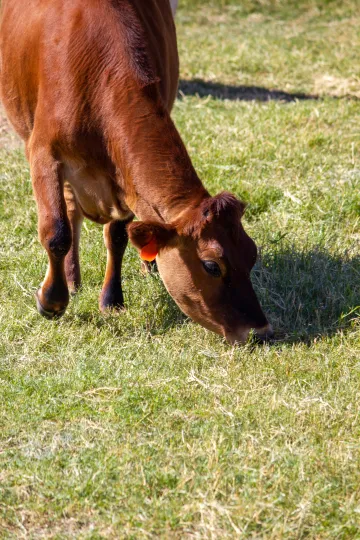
pixel 155 170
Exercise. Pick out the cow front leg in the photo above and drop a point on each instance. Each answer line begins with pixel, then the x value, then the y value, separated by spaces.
pixel 54 230
pixel 116 238
pixel 72 262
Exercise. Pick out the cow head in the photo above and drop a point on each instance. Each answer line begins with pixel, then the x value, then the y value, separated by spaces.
pixel 205 258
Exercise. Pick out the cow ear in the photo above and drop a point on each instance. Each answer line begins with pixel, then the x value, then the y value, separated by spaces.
pixel 149 237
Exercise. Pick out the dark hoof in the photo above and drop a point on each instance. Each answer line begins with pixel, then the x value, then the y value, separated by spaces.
pixel 104 308
pixel 111 298
pixel 50 315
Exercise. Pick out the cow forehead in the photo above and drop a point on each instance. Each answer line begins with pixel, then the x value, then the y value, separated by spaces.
pixel 222 242
pixel 227 234
pixel 228 243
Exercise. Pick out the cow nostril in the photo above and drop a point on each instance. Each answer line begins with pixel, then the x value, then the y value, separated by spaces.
pixel 266 333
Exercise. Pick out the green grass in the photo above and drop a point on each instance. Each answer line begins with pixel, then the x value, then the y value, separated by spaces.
pixel 146 425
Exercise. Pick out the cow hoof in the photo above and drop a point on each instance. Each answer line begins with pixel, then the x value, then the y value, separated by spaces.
pixel 111 298
pixel 50 315
pixel 108 308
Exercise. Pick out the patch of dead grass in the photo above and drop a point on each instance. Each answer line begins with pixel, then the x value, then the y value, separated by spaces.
pixel 326 84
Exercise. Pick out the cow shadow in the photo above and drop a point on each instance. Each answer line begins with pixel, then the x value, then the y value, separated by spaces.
pixel 308 294
pixel 305 294
pixel 201 88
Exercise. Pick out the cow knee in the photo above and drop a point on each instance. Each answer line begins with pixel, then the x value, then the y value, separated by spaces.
pixel 57 239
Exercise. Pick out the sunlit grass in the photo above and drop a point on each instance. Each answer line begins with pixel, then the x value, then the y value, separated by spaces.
pixel 146 425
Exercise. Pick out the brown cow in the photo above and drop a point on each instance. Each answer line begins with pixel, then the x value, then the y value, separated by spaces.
pixel 89 85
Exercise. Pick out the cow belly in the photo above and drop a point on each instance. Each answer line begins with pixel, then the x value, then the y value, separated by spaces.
pixel 97 194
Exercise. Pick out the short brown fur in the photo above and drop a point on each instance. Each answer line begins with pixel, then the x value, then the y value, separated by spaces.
pixel 89 86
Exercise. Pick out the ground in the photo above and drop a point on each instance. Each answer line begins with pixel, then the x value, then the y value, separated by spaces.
pixel 146 425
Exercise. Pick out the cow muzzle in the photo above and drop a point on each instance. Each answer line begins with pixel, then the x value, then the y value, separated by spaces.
pixel 262 335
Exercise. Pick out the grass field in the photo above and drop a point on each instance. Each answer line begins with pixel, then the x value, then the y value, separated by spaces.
pixel 144 424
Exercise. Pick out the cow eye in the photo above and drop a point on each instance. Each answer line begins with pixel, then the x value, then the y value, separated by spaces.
pixel 212 268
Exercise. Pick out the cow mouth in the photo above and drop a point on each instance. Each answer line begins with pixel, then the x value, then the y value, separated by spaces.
pixel 239 337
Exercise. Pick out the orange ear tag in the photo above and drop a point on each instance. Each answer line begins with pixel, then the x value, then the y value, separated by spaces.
pixel 149 252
